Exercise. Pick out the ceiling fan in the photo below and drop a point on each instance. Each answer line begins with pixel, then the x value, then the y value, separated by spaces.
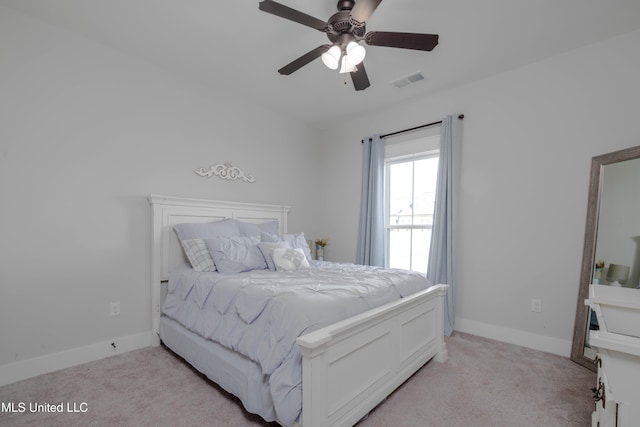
pixel 346 29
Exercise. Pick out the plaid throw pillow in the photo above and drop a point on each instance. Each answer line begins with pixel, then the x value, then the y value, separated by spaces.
pixel 198 254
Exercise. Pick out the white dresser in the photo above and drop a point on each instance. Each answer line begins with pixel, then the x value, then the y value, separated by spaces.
pixel 617 391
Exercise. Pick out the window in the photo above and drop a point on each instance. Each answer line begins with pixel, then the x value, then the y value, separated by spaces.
pixel 410 189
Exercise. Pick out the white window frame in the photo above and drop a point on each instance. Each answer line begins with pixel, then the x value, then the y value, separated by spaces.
pixel 411 146
pixel 387 226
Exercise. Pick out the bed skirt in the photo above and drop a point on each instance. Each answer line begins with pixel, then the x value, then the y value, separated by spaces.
pixel 232 371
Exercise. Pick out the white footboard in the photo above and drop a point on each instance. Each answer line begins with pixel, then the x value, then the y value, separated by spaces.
pixel 351 366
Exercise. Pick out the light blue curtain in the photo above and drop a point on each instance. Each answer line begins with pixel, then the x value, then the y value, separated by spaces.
pixel 442 256
pixel 371 231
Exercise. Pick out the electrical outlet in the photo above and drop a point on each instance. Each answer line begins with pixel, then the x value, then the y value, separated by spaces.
pixel 115 309
pixel 536 305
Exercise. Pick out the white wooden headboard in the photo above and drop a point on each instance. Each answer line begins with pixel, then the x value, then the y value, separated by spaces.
pixel 166 251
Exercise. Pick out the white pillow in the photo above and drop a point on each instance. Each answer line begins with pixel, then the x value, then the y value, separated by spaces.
pixel 295 240
pixel 267 251
pixel 287 259
pixel 198 254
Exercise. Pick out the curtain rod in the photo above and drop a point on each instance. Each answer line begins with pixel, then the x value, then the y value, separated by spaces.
pixel 461 116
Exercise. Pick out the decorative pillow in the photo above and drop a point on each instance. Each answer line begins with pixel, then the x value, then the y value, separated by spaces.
pixel 250 229
pixel 288 259
pixel 208 230
pixel 296 240
pixel 192 237
pixel 198 255
pixel 236 254
pixel 267 251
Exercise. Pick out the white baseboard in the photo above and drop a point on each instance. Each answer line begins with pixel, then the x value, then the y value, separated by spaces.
pixel 24 369
pixel 17 371
pixel 514 336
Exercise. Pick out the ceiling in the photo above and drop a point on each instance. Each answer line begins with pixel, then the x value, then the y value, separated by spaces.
pixel 232 46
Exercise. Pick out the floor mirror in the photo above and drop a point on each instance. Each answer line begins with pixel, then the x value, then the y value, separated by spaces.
pixel 611 252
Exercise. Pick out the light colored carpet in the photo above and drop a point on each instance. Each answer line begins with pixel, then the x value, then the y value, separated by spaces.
pixel 483 383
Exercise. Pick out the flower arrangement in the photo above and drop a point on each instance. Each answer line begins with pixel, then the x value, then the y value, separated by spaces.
pixel 598 272
pixel 321 242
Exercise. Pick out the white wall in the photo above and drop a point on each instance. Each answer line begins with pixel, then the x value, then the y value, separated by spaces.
pixel 529 135
pixel 86 133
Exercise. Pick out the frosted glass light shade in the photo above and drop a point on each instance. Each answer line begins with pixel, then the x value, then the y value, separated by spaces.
pixel 346 66
pixel 355 53
pixel 331 58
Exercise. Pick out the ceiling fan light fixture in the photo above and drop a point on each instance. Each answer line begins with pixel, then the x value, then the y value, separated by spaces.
pixel 355 53
pixel 346 66
pixel 346 30
pixel 331 58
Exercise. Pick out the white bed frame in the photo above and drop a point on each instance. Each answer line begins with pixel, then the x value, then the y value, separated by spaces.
pixel 348 367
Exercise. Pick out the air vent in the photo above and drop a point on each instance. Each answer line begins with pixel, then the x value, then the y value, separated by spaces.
pixel 405 81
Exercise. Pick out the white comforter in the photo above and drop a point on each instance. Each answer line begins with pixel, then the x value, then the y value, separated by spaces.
pixel 261 313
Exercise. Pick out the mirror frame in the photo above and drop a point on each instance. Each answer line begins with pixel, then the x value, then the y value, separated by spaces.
pixel 589 249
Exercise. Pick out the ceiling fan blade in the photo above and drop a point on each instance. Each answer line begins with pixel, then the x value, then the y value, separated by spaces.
pixel 363 9
pixel 359 78
pixel 304 60
pixel 402 40
pixel 292 15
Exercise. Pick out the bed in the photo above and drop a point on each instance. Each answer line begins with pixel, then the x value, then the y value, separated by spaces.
pixel 357 334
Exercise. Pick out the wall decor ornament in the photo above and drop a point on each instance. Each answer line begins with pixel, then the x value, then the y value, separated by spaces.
pixel 225 171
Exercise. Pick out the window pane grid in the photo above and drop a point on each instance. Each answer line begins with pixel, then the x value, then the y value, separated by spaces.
pixel 410 200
